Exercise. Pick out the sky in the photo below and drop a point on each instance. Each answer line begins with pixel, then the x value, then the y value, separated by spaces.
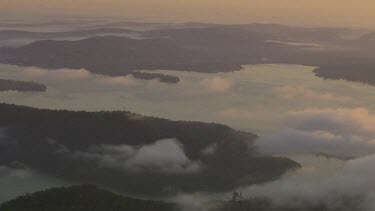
pixel 358 13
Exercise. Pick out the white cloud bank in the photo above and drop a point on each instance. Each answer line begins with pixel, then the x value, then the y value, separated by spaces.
pixel 304 93
pixel 120 81
pixel 323 184
pixel 216 84
pixel 60 74
pixel 336 131
pixel 14 172
pixel 79 75
pixel 163 156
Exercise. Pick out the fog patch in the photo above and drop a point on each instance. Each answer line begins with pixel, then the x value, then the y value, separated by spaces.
pixel 217 84
pixel 258 107
pixel 163 156
pixel 59 74
pixel 14 172
pixel 16 180
pixel 296 44
pixel 83 78
pixel 210 149
pixel 119 81
pixel 323 184
pixel 334 131
pixel 304 93
pixel 197 201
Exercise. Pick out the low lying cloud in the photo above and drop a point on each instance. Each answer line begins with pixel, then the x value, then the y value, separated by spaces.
pixel 14 172
pixel 345 121
pixel 17 180
pixel 79 75
pixel 120 81
pixel 336 131
pixel 332 185
pixel 60 74
pixel 162 156
pixel 210 149
pixel 217 84
pixel 329 182
pixel 301 92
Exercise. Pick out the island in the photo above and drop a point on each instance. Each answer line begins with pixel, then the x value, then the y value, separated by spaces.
pixel 21 86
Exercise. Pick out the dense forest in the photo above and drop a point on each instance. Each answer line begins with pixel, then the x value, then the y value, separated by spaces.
pixel 88 197
pixel 266 204
pixel 72 145
pixel 82 198
pixel 22 86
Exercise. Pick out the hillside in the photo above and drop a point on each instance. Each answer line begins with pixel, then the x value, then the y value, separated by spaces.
pixel 122 150
pixel 265 204
pixel 81 198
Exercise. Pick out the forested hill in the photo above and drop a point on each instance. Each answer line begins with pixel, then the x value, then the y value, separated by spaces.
pixel 125 151
pixel 82 198
pixel 90 198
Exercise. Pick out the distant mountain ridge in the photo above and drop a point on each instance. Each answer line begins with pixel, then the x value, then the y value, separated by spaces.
pixel 205 48
pixel 19 34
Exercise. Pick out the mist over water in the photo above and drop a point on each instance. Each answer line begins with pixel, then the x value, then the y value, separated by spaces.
pixel 295 113
pixel 326 126
pixel 257 98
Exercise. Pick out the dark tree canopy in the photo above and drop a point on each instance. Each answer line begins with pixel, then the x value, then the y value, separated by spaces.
pixel 82 198
pixel 38 137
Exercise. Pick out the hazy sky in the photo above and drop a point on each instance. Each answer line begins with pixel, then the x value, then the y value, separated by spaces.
pixel 308 12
